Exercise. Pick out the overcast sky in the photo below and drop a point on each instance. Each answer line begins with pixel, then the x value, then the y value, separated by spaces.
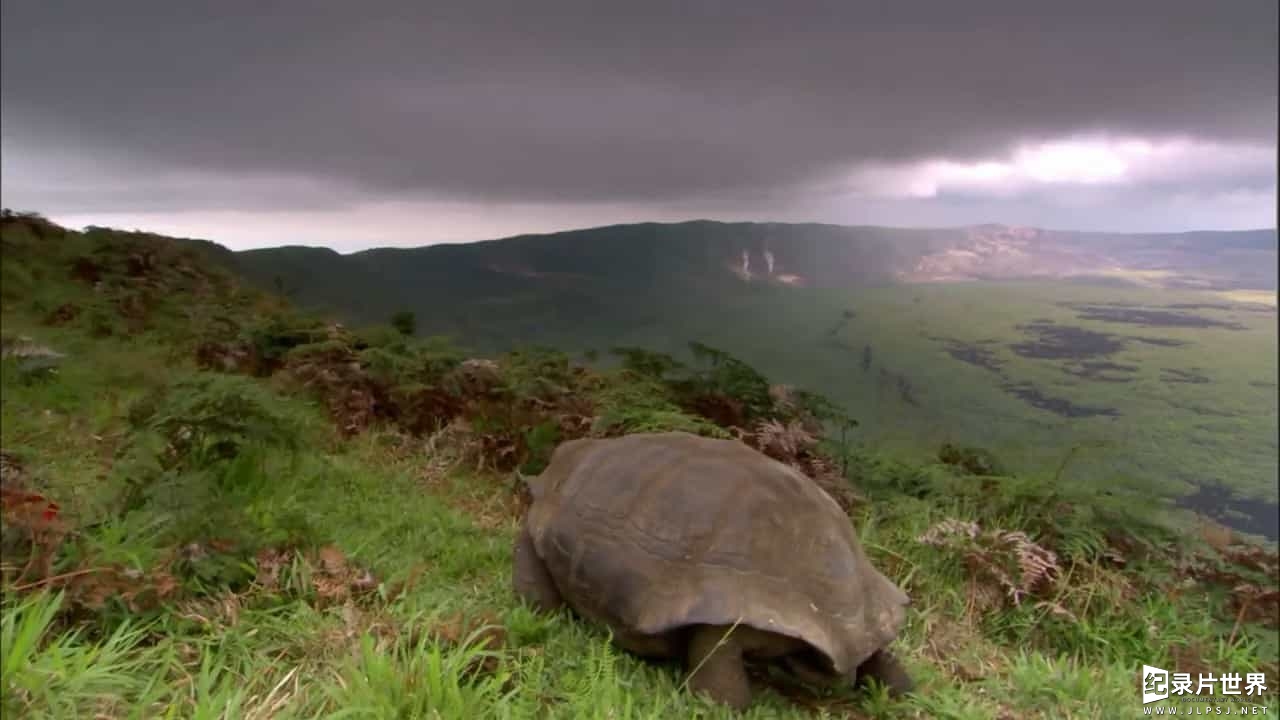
pixel 354 124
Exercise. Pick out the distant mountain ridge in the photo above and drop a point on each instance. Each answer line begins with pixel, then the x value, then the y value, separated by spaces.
pixel 701 260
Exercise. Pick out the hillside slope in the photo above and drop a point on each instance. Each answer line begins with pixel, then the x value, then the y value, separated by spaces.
pixel 1155 368
pixel 613 269
pixel 217 506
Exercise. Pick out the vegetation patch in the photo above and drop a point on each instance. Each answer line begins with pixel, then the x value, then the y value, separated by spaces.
pixel 1191 376
pixel 971 353
pixel 1158 342
pixel 1247 307
pixel 1101 370
pixel 1148 317
pixel 1029 394
pixel 972 460
pixel 901 384
pixel 1050 341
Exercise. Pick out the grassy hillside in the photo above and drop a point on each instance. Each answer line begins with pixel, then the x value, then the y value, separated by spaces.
pixel 218 506
pixel 621 268
pixel 1119 358
pixel 602 264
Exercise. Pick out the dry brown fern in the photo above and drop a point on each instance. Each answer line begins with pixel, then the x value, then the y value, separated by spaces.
pixel 793 444
pixel 1017 564
pixel 785 442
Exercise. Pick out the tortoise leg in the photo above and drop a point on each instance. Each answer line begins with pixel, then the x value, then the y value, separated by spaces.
pixel 717 667
pixel 530 576
pixel 888 670
pixel 657 647
pixel 802 666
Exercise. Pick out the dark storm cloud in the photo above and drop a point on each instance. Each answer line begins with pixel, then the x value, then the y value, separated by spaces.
pixel 648 101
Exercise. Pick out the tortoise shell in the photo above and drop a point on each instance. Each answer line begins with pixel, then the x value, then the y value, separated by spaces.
pixel 654 532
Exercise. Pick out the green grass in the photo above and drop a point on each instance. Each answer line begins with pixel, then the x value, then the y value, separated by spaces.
pixel 437 538
pixel 226 656
pixel 217 658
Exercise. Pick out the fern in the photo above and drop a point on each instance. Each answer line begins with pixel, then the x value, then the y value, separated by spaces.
pixel 647 363
pixel 1019 565
pixel 784 441
pixel 599 677
pixel 207 417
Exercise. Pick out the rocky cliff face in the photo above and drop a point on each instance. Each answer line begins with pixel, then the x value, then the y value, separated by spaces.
pixel 996 251
pixel 1001 252
pixel 763 266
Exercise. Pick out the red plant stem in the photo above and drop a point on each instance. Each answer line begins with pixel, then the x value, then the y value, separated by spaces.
pixel 1239 618
pixel 55 578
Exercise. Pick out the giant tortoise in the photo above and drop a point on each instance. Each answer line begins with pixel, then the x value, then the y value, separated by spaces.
pixel 708 551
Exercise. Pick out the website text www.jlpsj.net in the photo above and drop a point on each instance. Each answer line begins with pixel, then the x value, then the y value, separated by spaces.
pixel 1190 709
